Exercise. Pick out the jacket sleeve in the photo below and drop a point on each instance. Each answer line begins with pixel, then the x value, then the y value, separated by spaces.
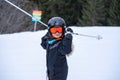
pixel 44 41
pixel 66 45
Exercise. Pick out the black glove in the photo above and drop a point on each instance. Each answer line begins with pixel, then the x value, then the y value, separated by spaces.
pixel 69 30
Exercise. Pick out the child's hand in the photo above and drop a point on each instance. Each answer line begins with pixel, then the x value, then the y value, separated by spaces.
pixel 68 33
pixel 69 30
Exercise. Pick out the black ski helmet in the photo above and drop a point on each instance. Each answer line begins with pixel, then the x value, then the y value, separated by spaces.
pixel 56 21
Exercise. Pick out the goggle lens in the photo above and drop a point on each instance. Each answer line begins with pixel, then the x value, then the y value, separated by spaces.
pixel 56 29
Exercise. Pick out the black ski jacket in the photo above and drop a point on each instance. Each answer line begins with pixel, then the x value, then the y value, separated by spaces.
pixel 57 67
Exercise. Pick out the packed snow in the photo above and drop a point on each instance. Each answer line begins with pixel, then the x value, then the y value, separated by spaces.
pixel 22 57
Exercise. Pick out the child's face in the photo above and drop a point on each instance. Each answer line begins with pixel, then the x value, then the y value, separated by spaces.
pixel 57 35
pixel 56 31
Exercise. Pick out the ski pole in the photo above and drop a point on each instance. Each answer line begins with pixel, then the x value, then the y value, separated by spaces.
pixel 97 37
pixel 24 12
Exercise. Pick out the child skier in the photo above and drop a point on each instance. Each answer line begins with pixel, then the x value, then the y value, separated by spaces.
pixel 57 43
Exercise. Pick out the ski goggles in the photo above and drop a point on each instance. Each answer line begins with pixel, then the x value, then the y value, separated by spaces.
pixel 56 29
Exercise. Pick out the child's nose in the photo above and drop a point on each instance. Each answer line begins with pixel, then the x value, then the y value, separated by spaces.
pixel 57 32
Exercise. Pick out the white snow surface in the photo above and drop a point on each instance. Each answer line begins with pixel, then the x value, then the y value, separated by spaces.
pixel 23 58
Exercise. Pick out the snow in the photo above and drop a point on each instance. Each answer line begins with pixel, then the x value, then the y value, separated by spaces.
pixel 22 57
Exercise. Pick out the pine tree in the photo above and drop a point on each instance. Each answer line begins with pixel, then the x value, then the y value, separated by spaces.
pixel 93 13
pixel 107 6
pixel 70 10
pixel 114 13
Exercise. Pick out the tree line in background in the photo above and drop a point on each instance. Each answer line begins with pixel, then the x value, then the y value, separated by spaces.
pixel 82 12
